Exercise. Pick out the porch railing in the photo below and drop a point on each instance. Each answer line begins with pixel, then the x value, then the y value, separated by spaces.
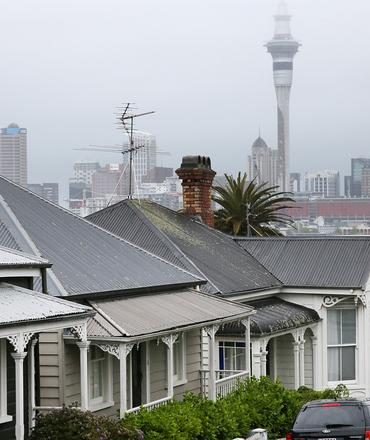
pixel 226 381
pixel 149 406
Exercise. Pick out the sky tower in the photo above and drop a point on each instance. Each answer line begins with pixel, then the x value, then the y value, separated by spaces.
pixel 283 48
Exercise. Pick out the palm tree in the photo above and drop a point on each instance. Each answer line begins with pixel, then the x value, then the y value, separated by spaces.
pixel 250 209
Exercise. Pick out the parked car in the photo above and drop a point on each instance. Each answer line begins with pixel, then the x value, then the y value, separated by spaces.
pixel 332 420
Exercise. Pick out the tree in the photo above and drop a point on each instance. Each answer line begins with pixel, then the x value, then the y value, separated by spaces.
pixel 250 209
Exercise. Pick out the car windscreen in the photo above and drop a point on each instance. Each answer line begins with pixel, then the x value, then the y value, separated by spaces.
pixel 330 416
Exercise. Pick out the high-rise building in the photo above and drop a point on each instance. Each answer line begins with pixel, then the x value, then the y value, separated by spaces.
pixel 83 171
pixel 295 182
pixel 109 181
pixel 144 158
pixel 49 191
pixel 357 166
pixel 323 183
pixel 13 153
pixel 283 48
pixel 262 163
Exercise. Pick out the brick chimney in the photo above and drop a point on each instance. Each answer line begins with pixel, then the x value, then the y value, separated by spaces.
pixel 197 177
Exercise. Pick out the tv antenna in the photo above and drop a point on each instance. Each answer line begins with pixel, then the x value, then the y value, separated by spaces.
pixel 127 119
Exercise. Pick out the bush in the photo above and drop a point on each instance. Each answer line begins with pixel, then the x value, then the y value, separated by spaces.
pixel 73 424
pixel 256 403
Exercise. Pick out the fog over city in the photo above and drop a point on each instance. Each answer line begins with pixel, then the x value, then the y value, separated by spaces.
pixel 200 64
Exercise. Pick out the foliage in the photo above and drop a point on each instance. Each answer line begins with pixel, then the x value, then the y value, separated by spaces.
pixel 73 424
pixel 250 209
pixel 255 404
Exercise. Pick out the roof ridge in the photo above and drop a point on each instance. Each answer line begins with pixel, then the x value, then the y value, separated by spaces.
pixel 162 236
pixel 66 211
pixel 214 232
pixel 18 225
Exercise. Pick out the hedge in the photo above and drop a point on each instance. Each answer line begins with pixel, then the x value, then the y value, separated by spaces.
pixel 256 403
pixel 261 403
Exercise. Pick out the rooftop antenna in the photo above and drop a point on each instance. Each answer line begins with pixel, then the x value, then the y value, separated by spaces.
pixel 127 119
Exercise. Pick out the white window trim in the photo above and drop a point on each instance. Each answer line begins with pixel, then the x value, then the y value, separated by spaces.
pixel 223 341
pixel 4 417
pixel 177 381
pixel 334 383
pixel 107 400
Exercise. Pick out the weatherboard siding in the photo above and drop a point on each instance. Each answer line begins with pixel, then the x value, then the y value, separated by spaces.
pixel 285 360
pixel 308 359
pixel 193 364
pixel 50 355
pixel 72 385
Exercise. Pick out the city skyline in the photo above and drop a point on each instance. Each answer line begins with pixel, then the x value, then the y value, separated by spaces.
pixel 211 90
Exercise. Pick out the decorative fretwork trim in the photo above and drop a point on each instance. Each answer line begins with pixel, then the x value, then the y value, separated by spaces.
pixel 170 339
pixel 20 341
pixel 211 330
pixel 331 301
pixel 80 332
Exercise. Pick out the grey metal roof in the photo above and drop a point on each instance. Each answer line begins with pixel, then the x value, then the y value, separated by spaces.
pixel 327 262
pixel 22 305
pixel 11 257
pixel 146 314
pixel 182 240
pixel 85 258
pixel 273 315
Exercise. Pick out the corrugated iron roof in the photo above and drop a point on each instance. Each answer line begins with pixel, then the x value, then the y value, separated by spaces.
pixel 186 242
pixel 273 315
pixel 146 314
pixel 11 257
pixel 22 305
pixel 85 258
pixel 327 262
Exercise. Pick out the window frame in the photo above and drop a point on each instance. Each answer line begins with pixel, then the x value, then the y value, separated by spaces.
pixel 4 416
pixel 341 346
pixel 222 345
pixel 180 378
pixel 106 399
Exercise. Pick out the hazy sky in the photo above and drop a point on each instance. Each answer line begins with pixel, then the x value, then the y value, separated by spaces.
pixel 200 64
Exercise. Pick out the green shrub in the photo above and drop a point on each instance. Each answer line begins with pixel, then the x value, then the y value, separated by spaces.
pixel 73 424
pixel 261 403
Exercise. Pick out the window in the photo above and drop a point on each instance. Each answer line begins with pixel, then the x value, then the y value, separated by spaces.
pixel 231 355
pixel 100 379
pixel 179 360
pixel 4 417
pixel 341 344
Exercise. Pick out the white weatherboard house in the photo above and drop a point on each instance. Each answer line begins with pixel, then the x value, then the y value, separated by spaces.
pixel 328 277
pixel 26 315
pixel 310 295
pixel 144 344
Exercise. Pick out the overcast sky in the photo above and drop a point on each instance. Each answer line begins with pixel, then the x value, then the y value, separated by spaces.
pixel 200 64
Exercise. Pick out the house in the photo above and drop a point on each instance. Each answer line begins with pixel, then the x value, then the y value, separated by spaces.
pixel 309 294
pixel 25 315
pixel 330 276
pixel 144 344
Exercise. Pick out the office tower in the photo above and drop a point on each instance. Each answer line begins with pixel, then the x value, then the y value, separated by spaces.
pixel 283 48
pixel 13 153
pixel 262 163
pixel 109 181
pixel 83 171
pixel 347 186
pixel 357 166
pixel 323 183
pixel 144 158
pixel 295 182
pixel 49 191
